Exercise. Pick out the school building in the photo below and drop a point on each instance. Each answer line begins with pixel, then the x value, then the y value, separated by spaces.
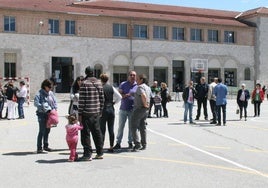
pixel 169 44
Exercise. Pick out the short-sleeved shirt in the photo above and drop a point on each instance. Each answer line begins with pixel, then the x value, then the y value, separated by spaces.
pixel 127 102
pixel 142 89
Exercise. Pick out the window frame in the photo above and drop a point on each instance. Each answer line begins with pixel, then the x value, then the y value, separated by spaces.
pixel 70 27
pixel 140 31
pixel 10 67
pixel 11 25
pixel 196 35
pixel 121 29
pixel 212 36
pixel 178 33
pixel 229 37
pixel 160 32
pixel 54 26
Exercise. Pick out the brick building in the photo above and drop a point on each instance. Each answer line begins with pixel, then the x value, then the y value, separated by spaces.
pixel 170 44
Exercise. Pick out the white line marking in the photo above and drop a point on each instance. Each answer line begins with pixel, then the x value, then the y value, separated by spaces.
pixel 208 153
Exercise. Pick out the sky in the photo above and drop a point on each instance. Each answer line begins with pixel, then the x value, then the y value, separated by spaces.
pixel 231 5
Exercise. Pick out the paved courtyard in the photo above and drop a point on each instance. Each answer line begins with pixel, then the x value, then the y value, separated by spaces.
pixel 178 154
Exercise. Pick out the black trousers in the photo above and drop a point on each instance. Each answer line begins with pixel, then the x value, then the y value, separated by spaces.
pixel 201 102
pixel 213 109
pixel 91 125
pixel 108 117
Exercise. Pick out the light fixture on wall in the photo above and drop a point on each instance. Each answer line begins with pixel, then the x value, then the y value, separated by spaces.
pixel 41 23
pixel 40 27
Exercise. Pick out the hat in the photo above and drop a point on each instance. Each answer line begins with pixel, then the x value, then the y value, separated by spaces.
pixel 89 71
pixel 244 85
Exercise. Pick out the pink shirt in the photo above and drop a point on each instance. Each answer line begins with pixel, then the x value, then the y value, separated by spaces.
pixel 72 131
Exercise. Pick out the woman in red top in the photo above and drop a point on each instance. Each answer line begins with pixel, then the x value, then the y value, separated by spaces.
pixel 257 97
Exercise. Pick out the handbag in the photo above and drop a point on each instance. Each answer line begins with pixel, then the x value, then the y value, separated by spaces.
pixel 14 98
pixel 52 119
pixel 237 110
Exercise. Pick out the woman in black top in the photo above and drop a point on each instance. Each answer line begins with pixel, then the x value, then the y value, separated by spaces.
pixel 164 96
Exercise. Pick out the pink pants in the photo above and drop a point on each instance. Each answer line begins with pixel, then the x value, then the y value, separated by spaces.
pixel 72 143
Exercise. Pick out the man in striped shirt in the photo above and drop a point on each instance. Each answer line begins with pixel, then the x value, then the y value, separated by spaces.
pixel 90 105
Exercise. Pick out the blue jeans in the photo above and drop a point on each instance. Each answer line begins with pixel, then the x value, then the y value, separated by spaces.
pixel 21 101
pixel 223 107
pixel 43 131
pixel 188 107
pixel 123 116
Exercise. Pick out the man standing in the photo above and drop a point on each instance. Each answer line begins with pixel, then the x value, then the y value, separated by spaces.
pixel 21 94
pixel 201 96
pixel 90 106
pixel 188 96
pixel 154 90
pixel 220 91
pixel 127 90
pixel 212 100
pixel 140 112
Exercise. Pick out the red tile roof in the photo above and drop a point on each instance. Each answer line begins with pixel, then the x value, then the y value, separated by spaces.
pixel 129 10
pixel 254 12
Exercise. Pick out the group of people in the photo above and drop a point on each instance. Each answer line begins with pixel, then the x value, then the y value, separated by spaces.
pixel 216 93
pixel 159 99
pixel 15 98
pixel 92 108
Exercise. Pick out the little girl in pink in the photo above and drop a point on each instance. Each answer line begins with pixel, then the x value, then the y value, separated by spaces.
pixel 72 136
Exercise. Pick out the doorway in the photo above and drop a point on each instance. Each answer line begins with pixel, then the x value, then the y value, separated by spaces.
pixel 178 75
pixel 63 69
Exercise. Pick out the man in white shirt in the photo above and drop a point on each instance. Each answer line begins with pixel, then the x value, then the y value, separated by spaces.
pixel 21 94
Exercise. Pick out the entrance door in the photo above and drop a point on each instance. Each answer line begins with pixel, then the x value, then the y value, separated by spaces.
pixel 63 69
pixel 178 75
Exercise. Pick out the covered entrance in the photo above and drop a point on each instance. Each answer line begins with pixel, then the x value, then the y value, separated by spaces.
pixel 62 67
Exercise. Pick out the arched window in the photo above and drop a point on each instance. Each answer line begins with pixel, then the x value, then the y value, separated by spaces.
pixel 247 73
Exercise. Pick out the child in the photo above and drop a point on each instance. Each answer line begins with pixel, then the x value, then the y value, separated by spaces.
pixel 158 106
pixel 72 135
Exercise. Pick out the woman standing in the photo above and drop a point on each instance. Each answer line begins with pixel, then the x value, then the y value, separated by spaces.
pixel 11 103
pixel 74 95
pixel 45 101
pixel 164 96
pixel 111 97
pixel 242 100
pixel 257 97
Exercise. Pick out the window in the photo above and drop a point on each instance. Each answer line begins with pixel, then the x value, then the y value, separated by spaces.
pixel 229 37
pixel 70 27
pixel 140 31
pixel 230 77
pixel 247 73
pixel 213 35
pixel 10 23
pixel 177 33
pixel 119 30
pixel 196 35
pixel 160 32
pixel 10 64
pixel 53 26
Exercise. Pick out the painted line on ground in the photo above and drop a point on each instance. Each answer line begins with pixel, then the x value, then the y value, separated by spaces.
pixel 188 163
pixel 210 154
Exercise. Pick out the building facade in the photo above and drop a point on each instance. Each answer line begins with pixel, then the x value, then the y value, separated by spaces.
pixel 167 43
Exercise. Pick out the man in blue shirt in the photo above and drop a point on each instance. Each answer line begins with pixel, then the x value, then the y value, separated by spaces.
pixel 127 90
pixel 220 91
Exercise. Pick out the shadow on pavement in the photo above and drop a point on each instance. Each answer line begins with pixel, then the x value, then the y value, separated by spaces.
pixel 21 153
pixel 52 161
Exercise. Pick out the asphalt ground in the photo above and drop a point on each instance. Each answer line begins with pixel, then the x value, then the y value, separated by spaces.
pixel 177 155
